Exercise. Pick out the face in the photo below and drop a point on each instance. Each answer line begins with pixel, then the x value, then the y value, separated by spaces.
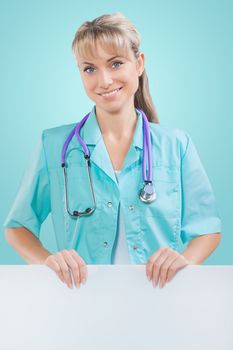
pixel 110 80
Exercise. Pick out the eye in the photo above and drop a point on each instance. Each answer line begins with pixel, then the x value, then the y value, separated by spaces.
pixel 87 68
pixel 118 63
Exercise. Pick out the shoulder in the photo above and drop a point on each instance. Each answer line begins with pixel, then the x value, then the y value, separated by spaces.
pixel 170 133
pixel 53 140
pixel 169 136
pixel 58 132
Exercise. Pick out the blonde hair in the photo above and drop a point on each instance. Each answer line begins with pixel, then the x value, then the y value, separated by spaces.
pixel 116 32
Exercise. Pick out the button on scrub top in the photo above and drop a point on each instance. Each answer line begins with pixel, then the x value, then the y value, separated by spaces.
pixel 185 206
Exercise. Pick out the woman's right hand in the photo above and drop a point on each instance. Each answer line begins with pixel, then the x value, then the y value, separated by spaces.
pixel 66 261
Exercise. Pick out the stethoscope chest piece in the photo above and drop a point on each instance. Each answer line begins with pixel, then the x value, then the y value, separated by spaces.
pixel 147 193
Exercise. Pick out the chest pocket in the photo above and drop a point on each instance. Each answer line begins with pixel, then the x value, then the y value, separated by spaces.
pixel 166 183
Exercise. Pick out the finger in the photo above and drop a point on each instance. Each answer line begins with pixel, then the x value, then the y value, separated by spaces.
pixel 177 265
pixel 52 264
pixel 167 255
pixel 82 265
pixel 167 266
pixel 153 257
pixel 73 264
pixel 65 269
pixel 157 267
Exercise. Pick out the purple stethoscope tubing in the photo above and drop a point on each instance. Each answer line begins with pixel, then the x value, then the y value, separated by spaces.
pixel 147 193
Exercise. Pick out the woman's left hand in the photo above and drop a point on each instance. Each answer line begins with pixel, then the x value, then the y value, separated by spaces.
pixel 164 264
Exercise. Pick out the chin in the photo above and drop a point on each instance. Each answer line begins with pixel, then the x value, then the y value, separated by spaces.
pixel 114 108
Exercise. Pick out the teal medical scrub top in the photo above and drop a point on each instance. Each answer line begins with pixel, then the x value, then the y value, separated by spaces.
pixel 185 206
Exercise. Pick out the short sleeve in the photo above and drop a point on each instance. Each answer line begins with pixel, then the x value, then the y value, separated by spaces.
pixel 199 209
pixel 32 202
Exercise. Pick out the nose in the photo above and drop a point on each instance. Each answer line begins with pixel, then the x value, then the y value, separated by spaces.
pixel 105 79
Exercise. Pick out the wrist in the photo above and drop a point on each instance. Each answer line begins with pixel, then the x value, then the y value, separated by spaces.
pixel 40 259
pixel 190 260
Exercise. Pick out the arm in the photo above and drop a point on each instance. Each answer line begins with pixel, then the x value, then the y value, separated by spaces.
pixel 201 247
pixel 26 244
pixel 31 249
pixel 198 249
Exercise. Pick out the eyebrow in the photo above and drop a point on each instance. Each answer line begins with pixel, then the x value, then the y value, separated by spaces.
pixel 110 59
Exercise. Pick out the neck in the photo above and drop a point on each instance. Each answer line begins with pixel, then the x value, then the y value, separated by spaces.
pixel 117 125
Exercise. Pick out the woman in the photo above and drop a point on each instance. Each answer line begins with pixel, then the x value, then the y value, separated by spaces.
pixel 117 225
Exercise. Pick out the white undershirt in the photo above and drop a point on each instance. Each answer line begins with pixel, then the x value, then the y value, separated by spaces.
pixel 120 252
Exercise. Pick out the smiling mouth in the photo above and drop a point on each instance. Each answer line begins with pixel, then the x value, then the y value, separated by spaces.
pixel 110 92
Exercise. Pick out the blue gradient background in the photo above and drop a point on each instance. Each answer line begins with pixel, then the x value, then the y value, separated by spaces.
pixel 189 55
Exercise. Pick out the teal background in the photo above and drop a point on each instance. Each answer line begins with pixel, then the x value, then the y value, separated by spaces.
pixel 189 55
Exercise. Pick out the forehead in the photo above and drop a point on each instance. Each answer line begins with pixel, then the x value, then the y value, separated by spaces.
pixel 102 53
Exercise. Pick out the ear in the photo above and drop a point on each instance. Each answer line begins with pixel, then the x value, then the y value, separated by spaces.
pixel 140 63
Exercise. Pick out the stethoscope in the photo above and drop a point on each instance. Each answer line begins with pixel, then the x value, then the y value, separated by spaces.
pixel 147 194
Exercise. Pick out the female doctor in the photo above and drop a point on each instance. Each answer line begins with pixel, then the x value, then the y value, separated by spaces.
pixel 120 187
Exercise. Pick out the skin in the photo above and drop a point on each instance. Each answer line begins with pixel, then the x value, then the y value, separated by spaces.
pixel 163 265
pixel 103 75
pixel 65 263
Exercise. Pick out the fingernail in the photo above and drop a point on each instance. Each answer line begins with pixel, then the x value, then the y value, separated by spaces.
pixel 148 278
pixel 77 285
pixel 84 281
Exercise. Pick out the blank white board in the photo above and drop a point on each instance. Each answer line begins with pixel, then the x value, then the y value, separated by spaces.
pixel 117 309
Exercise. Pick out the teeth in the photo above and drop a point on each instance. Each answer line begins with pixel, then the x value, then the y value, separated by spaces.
pixel 110 93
